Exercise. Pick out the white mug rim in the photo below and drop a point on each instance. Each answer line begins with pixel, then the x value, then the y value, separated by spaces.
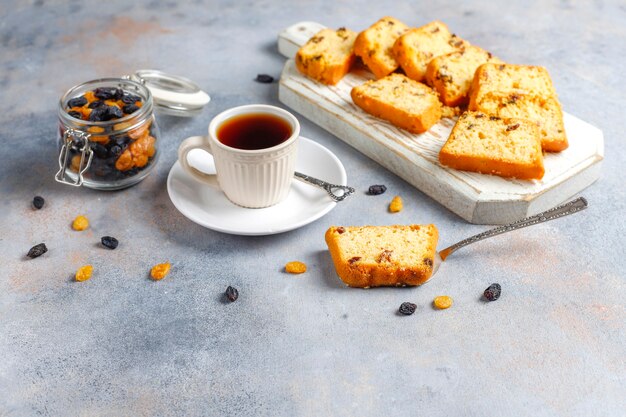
pixel 253 109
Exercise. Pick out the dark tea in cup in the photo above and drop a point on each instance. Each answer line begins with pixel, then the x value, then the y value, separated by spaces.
pixel 254 131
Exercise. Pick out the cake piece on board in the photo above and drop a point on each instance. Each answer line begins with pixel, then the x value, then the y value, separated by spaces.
pixel 451 75
pixel 374 256
pixel 417 47
pixel 522 91
pixel 493 145
pixel 505 79
pixel 405 103
pixel 328 56
pixel 374 45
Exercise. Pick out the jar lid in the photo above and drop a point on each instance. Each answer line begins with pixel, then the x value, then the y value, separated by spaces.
pixel 173 94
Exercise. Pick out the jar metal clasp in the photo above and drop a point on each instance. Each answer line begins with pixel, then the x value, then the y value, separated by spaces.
pixel 79 140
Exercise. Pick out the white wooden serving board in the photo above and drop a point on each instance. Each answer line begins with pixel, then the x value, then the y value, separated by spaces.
pixel 478 198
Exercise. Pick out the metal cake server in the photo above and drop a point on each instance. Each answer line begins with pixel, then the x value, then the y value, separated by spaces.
pixel 566 209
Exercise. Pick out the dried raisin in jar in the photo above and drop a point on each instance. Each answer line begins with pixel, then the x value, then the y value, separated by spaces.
pixel 108 135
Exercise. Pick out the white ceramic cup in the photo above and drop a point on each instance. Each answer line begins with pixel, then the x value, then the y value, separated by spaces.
pixel 249 178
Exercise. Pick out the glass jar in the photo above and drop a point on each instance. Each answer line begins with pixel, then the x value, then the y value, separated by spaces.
pixel 107 154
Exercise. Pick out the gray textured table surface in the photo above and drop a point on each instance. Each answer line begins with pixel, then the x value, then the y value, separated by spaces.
pixel 121 344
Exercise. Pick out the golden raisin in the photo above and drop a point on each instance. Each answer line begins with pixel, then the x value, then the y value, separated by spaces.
pixel 159 271
pixel 442 302
pixel 84 273
pixel 396 204
pixel 295 267
pixel 80 223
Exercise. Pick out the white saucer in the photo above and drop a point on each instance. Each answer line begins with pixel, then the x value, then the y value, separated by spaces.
pixel 210 208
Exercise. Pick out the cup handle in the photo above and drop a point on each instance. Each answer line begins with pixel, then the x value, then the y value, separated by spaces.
pixel 189 144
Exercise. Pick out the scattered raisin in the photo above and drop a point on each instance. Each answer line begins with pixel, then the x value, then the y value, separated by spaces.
pixel 231 293
pixel 95 104
pixel 264 79
pixel 340 230
pixel 442 302
pixel 407 308
pixel 396 204
pixel 84 273
pixel 109 241
pixel 77 102
pixel 492 293
pixel 376 189
pixel 80 223
pixel 512 127
pixel 37 250
pixel 158 272
pixel 295 267
pixel 38 202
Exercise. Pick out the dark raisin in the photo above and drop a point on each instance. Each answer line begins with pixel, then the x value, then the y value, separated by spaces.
pixel 99 114
pixel 77 102
pixel 492 293
pixel 480 116
pixel 428 262
pixel 37 250
pixel 105 93
pixel 490 55
pixel 407 308
pixel 109 242
pixel 512 127
pixel 120 140
pixel 264 78
pixel 130 99
pixel 95 104
pixel 471 125
pixel 493 118
pixel 100 151
pixel 130 108
pixel 38 202
pixel 376 189
pixel 115 150
pixel 114 112
pixel 501 67
pixel 231 293
pixel 340 230
pixel 354 259
pixel 75 114
pixel 384 256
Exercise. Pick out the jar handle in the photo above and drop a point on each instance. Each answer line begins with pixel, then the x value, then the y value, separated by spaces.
pixel 86 155
pixel 189 144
